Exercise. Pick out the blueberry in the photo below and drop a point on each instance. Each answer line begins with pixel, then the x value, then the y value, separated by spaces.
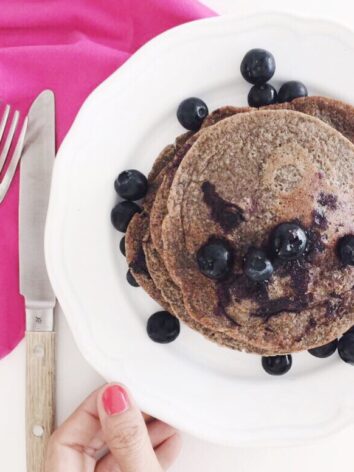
pixel 288 241
pixel 122 245
pixel 345 249
pixel 215 259
pixel 291 90
pixel 257 266
pixel 277 365
pixel 258 66
pixel 191 113
pixel 346 348
pixel 261 95
pixel 122 213
pixel 324 351
pixel 162 327
pixel 131 185
pixel 131 279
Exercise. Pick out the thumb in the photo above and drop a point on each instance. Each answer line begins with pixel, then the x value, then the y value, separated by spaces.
pixel 125 432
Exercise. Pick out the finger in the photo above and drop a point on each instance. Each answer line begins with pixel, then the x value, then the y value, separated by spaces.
pixel 168 451
pixel 108 464
pixel 125 431
pixel 159 432
pixel 77 439
pixel 82 426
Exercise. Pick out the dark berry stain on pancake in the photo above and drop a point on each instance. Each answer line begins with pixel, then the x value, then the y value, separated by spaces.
pixel 299 273
pixel 223 299
pixel 138 264
pixel 315 244
pixel 319 220
pixel 328 200
pixel 333 305
pixel 243 288
pixel 310 325
pixel 239 287
pixel 228 215
pixel 279 305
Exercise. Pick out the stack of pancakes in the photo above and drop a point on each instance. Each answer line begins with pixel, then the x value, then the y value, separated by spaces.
pixel 245 172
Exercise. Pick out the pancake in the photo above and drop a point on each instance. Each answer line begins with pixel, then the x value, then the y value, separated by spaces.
pixel 273 166
pixel 335 113
pixel 139 226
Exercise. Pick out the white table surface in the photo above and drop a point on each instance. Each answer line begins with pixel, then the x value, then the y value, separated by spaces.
pixel 76 379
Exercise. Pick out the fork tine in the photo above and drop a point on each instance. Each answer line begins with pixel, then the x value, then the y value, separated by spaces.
pixel 9 138
pixel 6 181
pixel 3 121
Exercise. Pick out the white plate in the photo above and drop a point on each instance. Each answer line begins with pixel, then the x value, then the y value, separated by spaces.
pixel 212 392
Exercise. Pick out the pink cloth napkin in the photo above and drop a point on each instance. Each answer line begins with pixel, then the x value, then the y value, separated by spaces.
pixel 69 46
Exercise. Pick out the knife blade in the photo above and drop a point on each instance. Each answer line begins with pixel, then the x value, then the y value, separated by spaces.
pixel 36 172
pixel 35 180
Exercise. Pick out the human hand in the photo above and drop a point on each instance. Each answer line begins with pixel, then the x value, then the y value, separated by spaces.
pixel 108 422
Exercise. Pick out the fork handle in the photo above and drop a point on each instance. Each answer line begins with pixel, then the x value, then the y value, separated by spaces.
pixel 40 360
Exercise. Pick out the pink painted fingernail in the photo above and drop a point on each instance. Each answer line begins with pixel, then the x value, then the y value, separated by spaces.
pixel 115 400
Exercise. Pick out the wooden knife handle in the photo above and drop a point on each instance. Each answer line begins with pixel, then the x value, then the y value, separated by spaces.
pixel 40 359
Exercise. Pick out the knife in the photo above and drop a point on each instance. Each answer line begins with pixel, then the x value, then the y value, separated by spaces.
pixel 35 179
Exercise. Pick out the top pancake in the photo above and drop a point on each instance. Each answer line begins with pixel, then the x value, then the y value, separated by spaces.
pixel 270 167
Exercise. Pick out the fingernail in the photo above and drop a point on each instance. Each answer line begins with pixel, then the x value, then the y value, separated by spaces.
pixel 115 400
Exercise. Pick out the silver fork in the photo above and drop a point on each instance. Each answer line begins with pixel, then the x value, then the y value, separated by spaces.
pixel 6 140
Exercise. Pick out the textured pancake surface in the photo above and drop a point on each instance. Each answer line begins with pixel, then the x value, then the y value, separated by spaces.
pixel 266 167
